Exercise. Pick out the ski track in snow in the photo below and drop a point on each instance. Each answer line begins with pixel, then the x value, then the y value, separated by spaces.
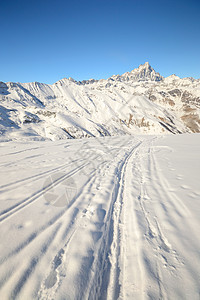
pixel 127 233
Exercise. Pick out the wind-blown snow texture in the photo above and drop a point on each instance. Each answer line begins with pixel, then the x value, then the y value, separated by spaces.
pixel 140 101
pixel 100 218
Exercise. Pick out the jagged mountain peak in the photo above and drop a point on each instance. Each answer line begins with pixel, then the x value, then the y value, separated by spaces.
pixel 143 73
pixel 146 66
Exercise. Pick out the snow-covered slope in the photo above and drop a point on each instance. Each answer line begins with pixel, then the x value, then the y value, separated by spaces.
pixel 100 218
pixel 140 101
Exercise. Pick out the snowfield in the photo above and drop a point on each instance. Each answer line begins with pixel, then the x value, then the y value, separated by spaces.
pixel 100 218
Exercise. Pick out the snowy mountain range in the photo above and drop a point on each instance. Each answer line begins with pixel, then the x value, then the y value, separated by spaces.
pixel 136 102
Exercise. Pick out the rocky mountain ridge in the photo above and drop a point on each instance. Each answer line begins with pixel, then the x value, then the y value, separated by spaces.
pixel 136 102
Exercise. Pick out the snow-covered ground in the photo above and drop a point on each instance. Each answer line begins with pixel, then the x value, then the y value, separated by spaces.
pixel 100 218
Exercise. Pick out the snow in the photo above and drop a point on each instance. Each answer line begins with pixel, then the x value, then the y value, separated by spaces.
pixel 100 218
pixel 137 102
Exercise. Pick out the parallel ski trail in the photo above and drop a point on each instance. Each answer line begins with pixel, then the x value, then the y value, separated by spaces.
pixel 24 203
pixel 39 175
pixel 117 246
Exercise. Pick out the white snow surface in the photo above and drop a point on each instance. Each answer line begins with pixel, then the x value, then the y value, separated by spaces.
pixel 100 218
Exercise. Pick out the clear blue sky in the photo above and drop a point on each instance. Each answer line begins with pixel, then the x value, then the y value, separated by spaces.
pixel 47 40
